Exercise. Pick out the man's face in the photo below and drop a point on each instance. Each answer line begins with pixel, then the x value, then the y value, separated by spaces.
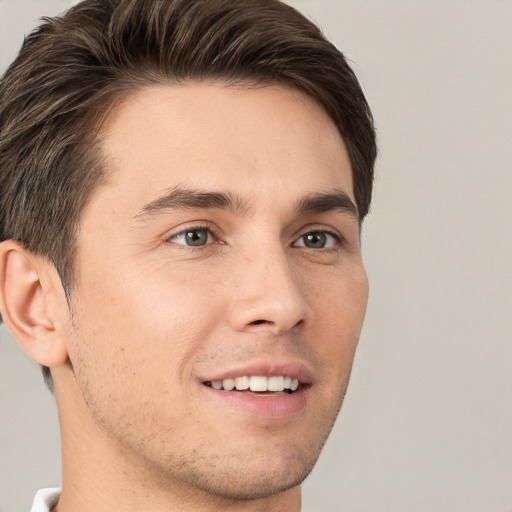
pixel 223 250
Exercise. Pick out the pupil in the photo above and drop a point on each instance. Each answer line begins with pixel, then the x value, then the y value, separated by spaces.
pixel 196 237
pixel 316 240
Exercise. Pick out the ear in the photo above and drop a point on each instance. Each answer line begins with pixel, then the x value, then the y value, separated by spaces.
pixel 29 303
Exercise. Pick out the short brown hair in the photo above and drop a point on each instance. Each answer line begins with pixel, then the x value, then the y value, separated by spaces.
pixel 72 68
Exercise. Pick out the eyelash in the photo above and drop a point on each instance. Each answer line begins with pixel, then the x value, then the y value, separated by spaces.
pixel 196 227
pixel 338 239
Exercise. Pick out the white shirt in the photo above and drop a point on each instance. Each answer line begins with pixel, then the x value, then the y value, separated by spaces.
pixel 45 500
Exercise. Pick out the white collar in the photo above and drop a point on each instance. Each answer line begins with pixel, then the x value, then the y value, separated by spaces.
pixel 45 500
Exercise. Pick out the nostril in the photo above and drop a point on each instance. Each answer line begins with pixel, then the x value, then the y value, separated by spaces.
pixel 258 322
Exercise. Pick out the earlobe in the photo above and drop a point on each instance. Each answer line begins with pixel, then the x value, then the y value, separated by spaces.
pixel 24 291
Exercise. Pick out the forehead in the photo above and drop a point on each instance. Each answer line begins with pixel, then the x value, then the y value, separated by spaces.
pixel 252 141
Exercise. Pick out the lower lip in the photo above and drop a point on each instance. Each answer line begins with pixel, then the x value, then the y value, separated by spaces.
pixel 264 406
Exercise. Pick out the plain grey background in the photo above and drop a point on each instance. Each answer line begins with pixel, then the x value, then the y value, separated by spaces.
pixel 427 422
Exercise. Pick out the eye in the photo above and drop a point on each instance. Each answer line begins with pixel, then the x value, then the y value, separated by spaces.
pixel 317 240
pixel 193 237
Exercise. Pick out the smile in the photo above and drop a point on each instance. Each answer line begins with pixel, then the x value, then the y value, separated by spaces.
pixel 256 383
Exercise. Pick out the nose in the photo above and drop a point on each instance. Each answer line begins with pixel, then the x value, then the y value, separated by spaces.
pixel 269 295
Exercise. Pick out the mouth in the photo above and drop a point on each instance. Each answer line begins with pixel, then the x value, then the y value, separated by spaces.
pixel 264 391
pixel 275 385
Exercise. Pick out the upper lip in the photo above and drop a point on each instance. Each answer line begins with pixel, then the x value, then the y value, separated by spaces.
pixel 295 369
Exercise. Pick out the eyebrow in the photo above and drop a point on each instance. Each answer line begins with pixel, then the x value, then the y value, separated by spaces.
pixel 336 200
pixel 180 198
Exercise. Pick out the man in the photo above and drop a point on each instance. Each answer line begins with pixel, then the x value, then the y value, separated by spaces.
pixel 183 185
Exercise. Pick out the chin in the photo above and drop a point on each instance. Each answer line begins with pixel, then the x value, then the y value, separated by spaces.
pixel 259 476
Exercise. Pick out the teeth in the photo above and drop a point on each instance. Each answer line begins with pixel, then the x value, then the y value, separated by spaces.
pixel 275 383
pixel 242 383
pixel 257 383
pixel 228 384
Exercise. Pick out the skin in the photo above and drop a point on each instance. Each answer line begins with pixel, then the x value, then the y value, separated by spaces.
pixel 152 317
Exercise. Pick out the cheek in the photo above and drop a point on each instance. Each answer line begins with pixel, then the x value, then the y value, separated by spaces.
pixel 135 343
pixel 339 299
pixel 338 312
pixel 149 322
pixel 134 363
